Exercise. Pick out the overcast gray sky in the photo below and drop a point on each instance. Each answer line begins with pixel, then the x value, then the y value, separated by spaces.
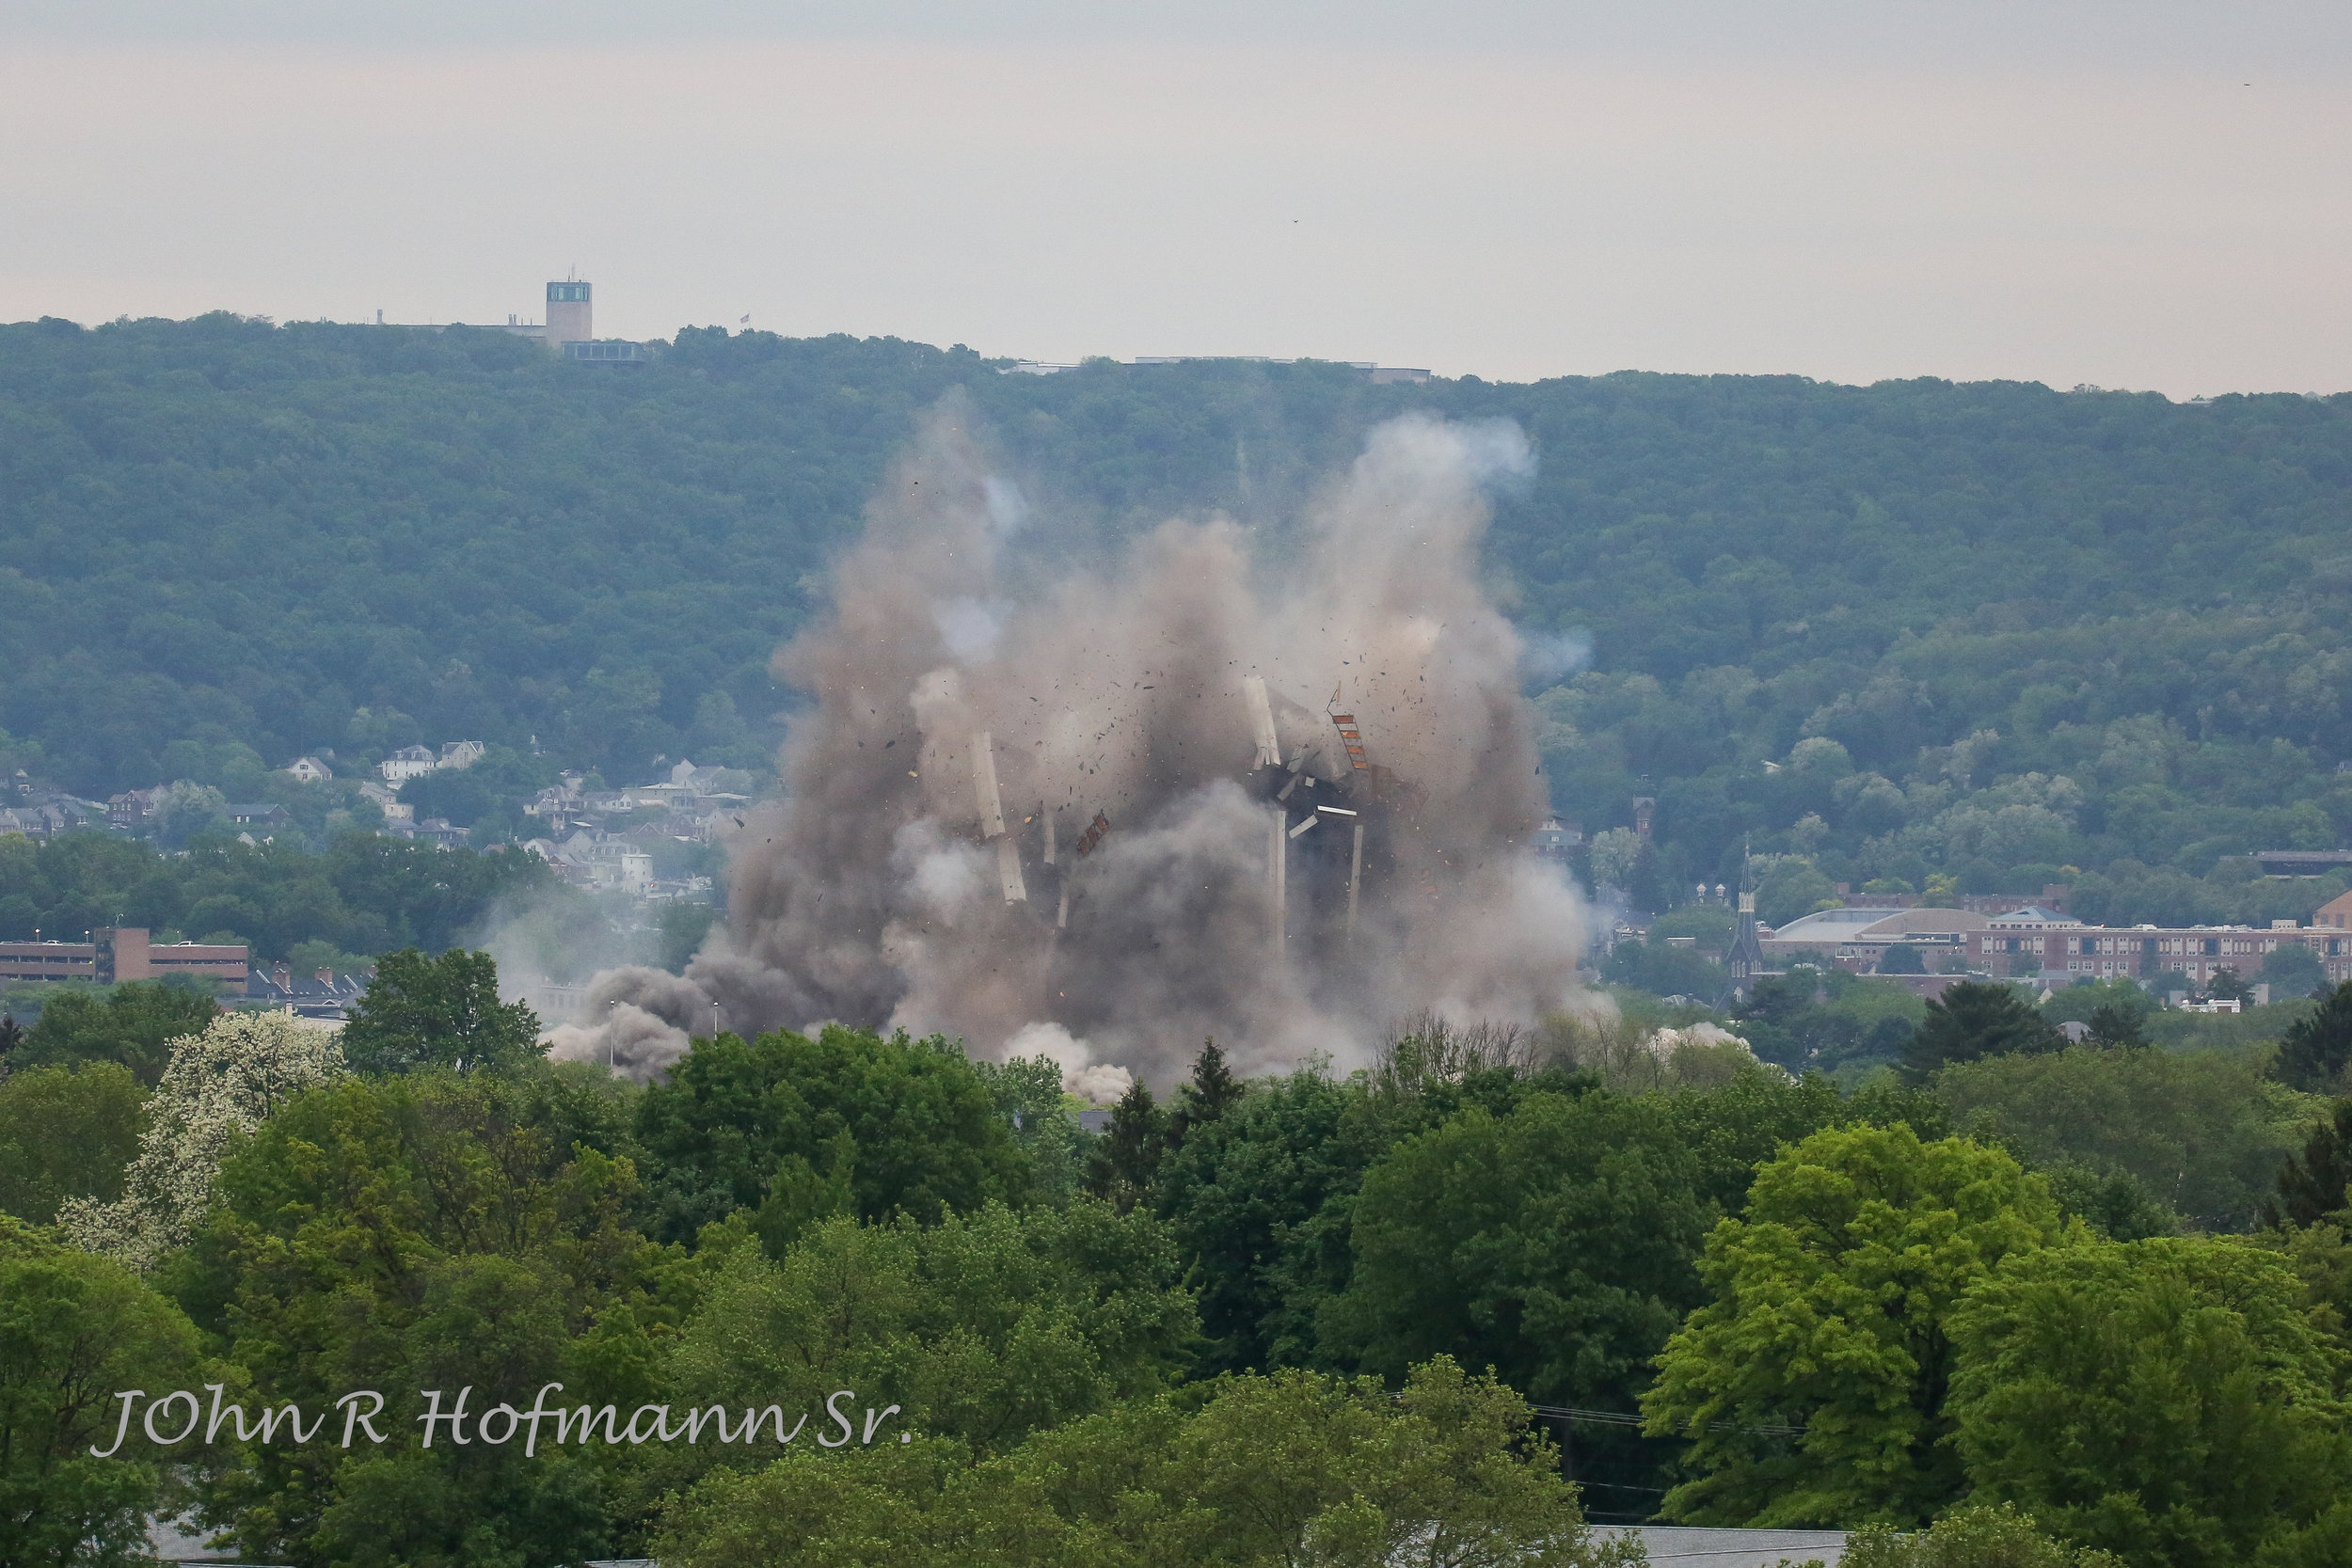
pixel 2147 195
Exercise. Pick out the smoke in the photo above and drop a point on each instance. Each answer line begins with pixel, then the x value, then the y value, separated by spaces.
pixel 876 891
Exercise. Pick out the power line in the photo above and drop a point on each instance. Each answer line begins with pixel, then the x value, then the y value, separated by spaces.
pixel 1628 1419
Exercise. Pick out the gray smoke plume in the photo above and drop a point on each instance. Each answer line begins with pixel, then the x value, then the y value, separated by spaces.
pixel 876 891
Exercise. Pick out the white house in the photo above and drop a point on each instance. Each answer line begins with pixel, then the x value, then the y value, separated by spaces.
pixel 309 771
pixel 410 762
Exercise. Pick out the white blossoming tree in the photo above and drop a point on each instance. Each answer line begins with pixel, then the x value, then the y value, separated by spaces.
pixel 220 1084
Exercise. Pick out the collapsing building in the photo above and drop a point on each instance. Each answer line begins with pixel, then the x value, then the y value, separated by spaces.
pixel 1069 802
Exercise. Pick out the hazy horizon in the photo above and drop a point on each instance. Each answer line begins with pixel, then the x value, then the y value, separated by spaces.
pixel 2151 198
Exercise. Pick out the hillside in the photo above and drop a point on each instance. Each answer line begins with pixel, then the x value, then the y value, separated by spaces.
pixel 1989 632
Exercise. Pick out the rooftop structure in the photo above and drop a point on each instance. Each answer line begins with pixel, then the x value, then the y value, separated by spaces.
pixel 1857 939
pixel 2303 863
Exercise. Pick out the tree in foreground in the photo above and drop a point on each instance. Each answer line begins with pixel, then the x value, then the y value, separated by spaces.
pixel 1974 1019
pixel 2318 1046
pixel 221 1085
pixel 73 1329
pixel 1812 1387
pixel 738 1120
pixel 437 1012
pixel 2168 1400
pixel 1296 1467
pixel 67 1132
pixel 1975 1536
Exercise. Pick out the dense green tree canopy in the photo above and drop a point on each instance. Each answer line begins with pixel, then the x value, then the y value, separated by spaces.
pixel 2168 1400
pixel 73 1330
pixel 1812 1386
pixel 2204 1132
pixel 132 1026
pixel 923 1135
pixel 66 1132
pixel 443 1011
pixel 465 1230
pixel 1293 1468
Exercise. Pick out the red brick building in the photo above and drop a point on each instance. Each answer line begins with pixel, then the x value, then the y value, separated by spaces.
pixel 2039 940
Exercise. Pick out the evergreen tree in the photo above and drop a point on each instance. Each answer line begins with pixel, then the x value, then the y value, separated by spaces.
pixel 1213 1090
pixel 2317 1183
pixel 2114 1025
pixel 1976 1018
pixel 1121 1169
pixel 2313 1054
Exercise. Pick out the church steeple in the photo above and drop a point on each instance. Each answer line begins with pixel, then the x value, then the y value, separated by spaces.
pixel 1745 956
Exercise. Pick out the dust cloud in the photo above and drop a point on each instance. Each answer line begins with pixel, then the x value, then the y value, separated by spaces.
pixel 1033 804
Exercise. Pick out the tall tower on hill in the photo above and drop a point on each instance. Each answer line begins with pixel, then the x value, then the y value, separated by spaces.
pixel 567 315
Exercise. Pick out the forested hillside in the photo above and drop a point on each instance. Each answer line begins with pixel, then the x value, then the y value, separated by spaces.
pixel 1988 633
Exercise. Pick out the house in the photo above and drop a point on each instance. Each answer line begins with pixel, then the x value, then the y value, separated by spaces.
pixel 129 811
pixel 309 771
pixel 410 762
pixel 460 755
pixel 437 832
pixel 589 859
pixel 2335 914
pixel 1556 839
pixel 393 807
pixel 260 814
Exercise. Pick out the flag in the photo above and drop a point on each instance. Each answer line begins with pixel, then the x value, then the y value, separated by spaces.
pixel 747 320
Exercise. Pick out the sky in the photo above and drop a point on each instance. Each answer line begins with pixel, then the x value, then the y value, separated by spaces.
pixel 2154 196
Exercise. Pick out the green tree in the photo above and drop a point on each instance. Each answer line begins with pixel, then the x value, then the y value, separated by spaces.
pixel 1293 1468
pixel 413 1232
pixel 1977 1535
pixel 1556 1244
pixel 2168 1400
pixel 2291 969
pixel 2204 1132
pixel 926 1130
pixel 76 1329
pixel 1812 1386
pixel 1259 1200
pixel 1794 888
pixel 2316 1183
pixel 985 1327
pixel 2318 1047
pixel 2226 983
pixel 1125 1159
pixel 2114 1027
pixel 1211 1092
pixel 221 1085
pixel 1028 1094
pixel 66 1132
pixel 135 1025
pixel 442 1011
pixel 1976 1018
